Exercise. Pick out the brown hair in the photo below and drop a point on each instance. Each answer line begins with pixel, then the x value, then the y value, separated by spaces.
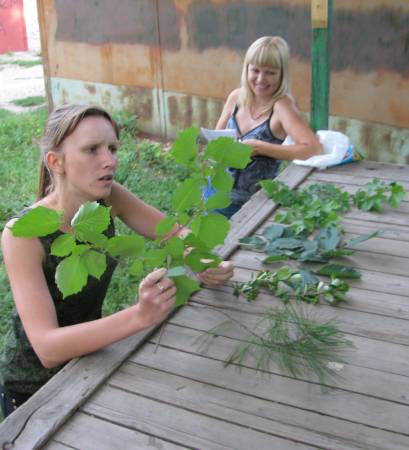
pixel 60 124
pixel 270 51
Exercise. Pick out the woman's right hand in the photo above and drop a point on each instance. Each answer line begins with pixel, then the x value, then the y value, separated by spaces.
pixel 157 295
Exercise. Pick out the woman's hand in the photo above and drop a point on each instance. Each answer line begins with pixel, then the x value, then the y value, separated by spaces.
pixel 255 144
pixel 157 296
pixel 217 276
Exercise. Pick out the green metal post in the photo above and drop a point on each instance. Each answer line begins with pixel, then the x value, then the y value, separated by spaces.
pixel 320 70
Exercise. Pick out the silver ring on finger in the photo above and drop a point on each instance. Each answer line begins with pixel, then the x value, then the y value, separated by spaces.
pixel 161 288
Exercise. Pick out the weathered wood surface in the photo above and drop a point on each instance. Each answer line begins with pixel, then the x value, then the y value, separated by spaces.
pixel 173 391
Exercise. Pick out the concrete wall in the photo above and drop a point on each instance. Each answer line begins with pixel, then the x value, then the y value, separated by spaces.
pixel 174 61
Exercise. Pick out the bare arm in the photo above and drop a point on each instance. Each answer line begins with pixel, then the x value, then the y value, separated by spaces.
pixel 306 143
pixel 228 109
pixel 53 344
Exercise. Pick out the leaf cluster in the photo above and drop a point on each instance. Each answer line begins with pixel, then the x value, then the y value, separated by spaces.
pixel 84 250
pixel 282 243
pixel 289 284
pixel 375 194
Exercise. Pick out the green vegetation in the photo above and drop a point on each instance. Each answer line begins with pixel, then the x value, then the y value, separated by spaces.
pixel 188 208
pixel 30 101
pixel 143 167
pixel 24 62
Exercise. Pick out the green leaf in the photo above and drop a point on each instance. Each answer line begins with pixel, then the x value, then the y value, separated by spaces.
pixel 95 262
pixel 155 258
pixel 193 241
pixel 213 229
pixel 175 246
pixel 80 249
pixel 218 200
pixel 361 238
pixel 397 194
pixel 329 238
pixel 274 258
pixel 97 239
pixel 187 195
pixel 91 218
pixel 37 222
pixel 184 149
pixel 71 275
pixel 125 246
pixel 185 287
pixel 199 260
pixel 273 231
pixel 228 152
pixel 221 179
pixel 176 272
pixel 63 245
pixel 339 271
pixel 165 226
pixel 256 242
pixel 136 268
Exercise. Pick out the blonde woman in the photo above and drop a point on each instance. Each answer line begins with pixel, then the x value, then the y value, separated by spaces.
pixel 79 158
pixel 264 113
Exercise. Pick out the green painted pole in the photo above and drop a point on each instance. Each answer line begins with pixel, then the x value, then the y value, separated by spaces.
pixel 320 63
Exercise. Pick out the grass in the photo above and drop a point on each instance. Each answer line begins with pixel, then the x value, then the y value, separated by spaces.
pixel 143 167
pixel 30 101
pixel 24 63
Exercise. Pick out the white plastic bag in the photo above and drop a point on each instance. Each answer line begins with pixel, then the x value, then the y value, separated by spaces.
pixel 337 150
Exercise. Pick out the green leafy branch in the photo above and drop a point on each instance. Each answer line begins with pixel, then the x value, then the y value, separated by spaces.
pixel 83 251
pixel 377 193
pixel 289 284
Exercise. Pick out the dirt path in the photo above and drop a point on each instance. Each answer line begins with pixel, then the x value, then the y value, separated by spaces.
pixel 18 82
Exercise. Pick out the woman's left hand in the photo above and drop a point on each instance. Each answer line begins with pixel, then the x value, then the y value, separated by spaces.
pixel 217 276
pixel 255 144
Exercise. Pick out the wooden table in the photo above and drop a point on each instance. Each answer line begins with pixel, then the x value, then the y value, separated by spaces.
pixel 140 393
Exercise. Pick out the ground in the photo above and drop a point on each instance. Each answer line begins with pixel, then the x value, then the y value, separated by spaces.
pixel 18 82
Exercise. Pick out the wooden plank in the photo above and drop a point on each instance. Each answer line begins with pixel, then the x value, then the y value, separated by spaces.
pixel 383 328
pixel 256 413
pixel 335 402
pixel 319 13
pixel 372 169
pixel 33 423
pixel 87 432
pixel 368 353
pixel 351 180
pixel 390 231
pixel 362 380
pixel 362 260
pixel 185 427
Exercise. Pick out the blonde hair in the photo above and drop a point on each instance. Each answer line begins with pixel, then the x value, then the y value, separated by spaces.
pixel 269 51
pixel 60 124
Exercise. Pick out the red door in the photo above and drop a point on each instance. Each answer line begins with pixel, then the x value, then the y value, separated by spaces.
pixel 13 35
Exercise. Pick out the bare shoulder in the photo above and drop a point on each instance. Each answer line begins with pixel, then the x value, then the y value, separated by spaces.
pixel 19 248
pixel 285 104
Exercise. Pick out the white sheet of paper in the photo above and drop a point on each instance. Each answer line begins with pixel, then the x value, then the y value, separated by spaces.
pixel 211 135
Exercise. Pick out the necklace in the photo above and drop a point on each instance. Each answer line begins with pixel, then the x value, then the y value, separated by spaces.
pixel 257 116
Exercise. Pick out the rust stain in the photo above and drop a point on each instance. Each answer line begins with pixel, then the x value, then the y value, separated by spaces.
pixel 90 88
pixel 138 101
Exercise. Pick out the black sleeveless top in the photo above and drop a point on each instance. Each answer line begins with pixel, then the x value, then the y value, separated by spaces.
pixel 260 167
pixel 20 369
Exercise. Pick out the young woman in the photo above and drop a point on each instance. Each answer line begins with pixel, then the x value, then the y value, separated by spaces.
pixel 264 113
pixel 78 165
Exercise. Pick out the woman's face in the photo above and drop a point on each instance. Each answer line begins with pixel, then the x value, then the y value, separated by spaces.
pixel 89 158
pixel 263 80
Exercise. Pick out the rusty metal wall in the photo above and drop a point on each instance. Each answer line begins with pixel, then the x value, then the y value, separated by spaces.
pixel 173 62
